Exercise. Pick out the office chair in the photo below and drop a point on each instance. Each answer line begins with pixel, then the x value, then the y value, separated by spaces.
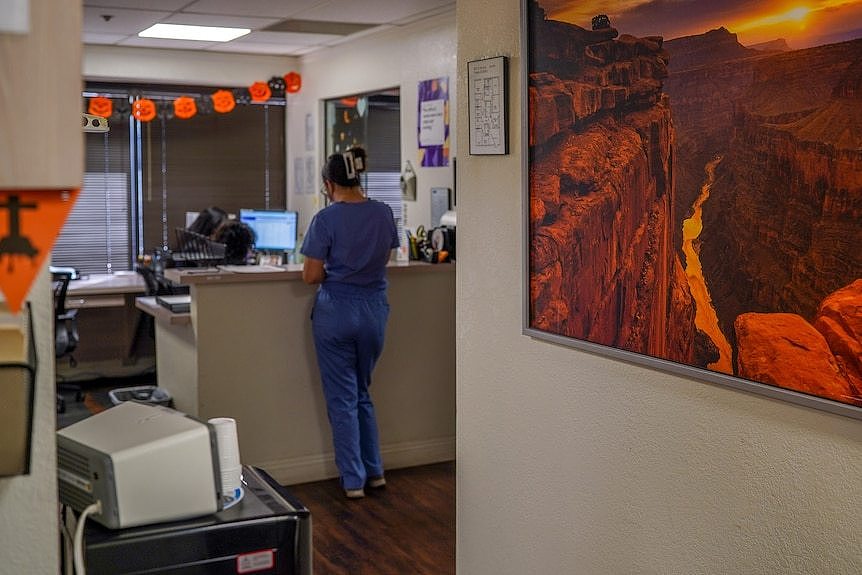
pixel 65 334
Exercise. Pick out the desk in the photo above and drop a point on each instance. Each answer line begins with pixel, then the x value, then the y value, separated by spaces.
pixel 246 352
pixel 107 318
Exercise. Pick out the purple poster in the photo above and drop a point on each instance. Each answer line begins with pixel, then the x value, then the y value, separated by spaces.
pixel 433 123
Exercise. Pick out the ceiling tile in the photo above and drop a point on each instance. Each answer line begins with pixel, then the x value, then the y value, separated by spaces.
pixel 260 8
pixel 103 38
pixel 166 43
pixel 285 38
pixel 121 22
pixel 371 11
pixel 220 20
pixel 163 5
pixel 272 49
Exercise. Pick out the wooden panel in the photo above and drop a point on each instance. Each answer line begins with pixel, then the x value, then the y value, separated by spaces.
pixel 41 137
pixel 408 527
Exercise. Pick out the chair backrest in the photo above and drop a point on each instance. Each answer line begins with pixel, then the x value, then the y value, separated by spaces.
pixel 61 287
pixel 195 249
pixel 65 320
pixel 156 283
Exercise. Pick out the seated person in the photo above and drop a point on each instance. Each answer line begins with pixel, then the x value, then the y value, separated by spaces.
pixel 238 239
pixel 208 221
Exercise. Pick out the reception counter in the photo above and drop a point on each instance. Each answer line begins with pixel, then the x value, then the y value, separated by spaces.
pixel 245 351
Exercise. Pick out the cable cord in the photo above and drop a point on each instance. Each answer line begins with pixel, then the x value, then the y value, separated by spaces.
pixel 95 508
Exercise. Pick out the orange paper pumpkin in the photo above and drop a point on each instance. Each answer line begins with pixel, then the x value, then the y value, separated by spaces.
pixel 185 107
pixel 144 110
pixel 101 106
pixel 259 92
pixel 223 101
pixel 292 82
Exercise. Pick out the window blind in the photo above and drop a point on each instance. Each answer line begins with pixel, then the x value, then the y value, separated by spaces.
pixel 142 177
pixel 96 237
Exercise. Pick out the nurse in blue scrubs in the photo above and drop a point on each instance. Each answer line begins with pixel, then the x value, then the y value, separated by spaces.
pixel 346 249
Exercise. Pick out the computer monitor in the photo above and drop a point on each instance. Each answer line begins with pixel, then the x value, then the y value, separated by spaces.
pixel 274 230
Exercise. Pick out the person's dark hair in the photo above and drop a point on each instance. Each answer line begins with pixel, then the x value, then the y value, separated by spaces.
pixel 338 167
pixel 208 220
pixel 238 239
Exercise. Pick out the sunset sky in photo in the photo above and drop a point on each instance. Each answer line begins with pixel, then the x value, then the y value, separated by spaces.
pixel 803 23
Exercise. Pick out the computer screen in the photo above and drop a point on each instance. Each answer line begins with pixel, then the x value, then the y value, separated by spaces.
pixel 275 230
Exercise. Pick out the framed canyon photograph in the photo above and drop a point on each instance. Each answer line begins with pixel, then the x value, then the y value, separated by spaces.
pixel 693 189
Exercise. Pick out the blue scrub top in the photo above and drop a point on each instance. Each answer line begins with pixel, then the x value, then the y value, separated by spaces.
pixel 354 240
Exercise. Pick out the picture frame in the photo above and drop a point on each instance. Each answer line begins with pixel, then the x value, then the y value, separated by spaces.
pixel 488 88
pixel 671 216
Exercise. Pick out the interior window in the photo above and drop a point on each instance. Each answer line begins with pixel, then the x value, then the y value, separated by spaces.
pixel 143 178
pixel 373 121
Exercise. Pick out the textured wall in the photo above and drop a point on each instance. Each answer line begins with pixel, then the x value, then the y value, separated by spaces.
pixel 399 57
pixel 42 146
pixel 572 463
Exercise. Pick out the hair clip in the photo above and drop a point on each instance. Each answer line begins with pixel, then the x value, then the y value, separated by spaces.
pixel 349 164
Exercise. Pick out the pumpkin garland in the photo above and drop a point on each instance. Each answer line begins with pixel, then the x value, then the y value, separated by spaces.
pixel 223 101
pixel 185 107
pixel 292 82
pixel 259 92
pixel 101 106
pixel 144 110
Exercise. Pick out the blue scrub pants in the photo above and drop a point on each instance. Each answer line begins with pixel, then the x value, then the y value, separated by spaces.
pixel 348 323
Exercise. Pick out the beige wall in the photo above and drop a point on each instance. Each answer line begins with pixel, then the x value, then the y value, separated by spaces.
pixel 573 463
pixel 128 64
pixel 400 57
pixel 39 95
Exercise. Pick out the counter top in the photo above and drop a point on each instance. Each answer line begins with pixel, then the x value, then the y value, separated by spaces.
pixel 268 273
pixel 152 307
pixel 117 283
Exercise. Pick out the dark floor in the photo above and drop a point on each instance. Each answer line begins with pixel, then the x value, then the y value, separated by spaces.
pixel 84 398
pixel 408 527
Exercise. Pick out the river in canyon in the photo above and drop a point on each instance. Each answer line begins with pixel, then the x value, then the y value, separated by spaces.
pixel 705 318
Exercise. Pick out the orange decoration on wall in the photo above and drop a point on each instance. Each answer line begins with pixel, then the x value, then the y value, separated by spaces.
pixel 185 107
pixel 223 101
pixel 260 92
pixel 292 82
pixel 100 106
pixel 30 221
pixel 144 110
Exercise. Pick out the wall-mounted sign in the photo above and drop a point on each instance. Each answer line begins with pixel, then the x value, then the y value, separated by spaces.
pixel 433 122
pixel 30 221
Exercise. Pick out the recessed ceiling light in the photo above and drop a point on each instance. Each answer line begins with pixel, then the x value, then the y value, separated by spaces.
pixel 184 32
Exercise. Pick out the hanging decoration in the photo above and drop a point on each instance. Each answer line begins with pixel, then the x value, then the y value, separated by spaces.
pixel 260 92
pixel 204 104
pixel 101 106
pixel 276 84
pixel 223 101
pixel 185 107
pixel 292 82
pixel 144 110
pixel 30 223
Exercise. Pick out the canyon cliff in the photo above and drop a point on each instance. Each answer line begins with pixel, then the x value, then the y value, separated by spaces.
pixel 823 359
pixel 781 229
pixel 602 263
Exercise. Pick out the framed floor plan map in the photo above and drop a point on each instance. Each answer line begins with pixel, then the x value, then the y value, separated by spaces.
pixel 488 84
